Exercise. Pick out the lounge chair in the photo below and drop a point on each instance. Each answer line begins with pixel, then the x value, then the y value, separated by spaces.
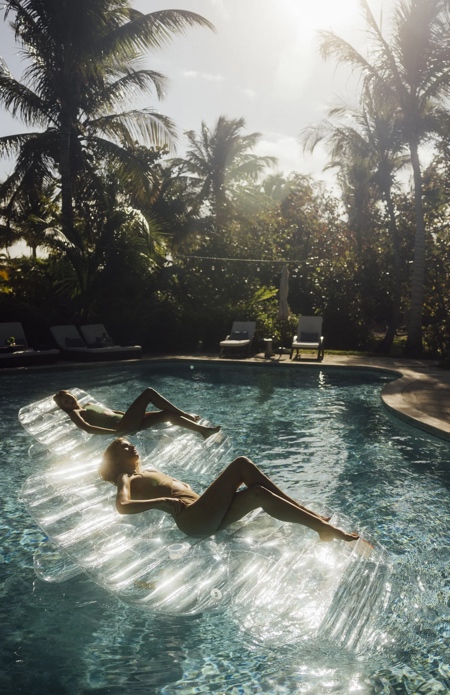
pixel 15 351
pixel 239 339
pixel 309 336
pixel 96 336
pixel 73 347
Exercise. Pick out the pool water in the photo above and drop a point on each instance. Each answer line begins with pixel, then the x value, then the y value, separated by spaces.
pixel 324 436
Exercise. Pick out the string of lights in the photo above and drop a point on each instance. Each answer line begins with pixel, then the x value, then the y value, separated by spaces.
pixel 244 260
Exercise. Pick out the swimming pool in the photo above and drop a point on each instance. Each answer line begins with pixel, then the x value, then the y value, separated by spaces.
pixel 323 435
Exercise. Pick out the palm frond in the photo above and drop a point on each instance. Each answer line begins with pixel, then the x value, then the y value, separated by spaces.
pixel 130 83
pixel 131 168
pixel 130 126
pixel 154 30
pixel 21 101
pixel 333 46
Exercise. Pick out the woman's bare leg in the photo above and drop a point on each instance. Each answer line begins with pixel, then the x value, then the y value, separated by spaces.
pixel 162 403
pixel 280 509
pixel 159 416
pixel 133 418
pixel 221 504
pixel 181 421
pixel 250 475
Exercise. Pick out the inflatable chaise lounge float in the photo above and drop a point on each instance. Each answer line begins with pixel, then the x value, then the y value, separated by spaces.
pixel 275 578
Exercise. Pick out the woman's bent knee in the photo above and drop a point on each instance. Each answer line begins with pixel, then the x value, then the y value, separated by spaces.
pixel 258 491
pixel 241 461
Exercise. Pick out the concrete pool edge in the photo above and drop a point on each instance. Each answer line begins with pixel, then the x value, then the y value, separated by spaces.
pixel 419 396
pixel 420 400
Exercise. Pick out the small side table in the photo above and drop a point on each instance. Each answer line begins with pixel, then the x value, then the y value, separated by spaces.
pixel 268 350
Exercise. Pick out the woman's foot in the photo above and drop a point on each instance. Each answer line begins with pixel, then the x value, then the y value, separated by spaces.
pixel 192 417
pixel 330 533
pixel 208 431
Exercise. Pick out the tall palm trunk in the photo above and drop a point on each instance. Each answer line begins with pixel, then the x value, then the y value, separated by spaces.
pixel 386 344
pixel 413 346
pixel 65 174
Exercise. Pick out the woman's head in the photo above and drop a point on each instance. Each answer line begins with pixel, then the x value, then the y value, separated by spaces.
pixel 119 457
pixel 65 400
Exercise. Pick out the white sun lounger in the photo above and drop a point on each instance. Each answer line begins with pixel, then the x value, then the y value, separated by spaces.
pixel 309 336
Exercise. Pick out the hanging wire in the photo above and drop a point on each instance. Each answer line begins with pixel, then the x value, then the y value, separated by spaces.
pixel 244 260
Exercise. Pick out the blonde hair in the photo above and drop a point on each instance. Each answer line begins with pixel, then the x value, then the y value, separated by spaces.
pixel 109 467
pixel 57 398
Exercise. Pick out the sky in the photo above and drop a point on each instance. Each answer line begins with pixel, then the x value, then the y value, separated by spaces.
pixel 262 64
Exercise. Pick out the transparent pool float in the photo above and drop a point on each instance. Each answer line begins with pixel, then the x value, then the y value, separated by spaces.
pixel 275 580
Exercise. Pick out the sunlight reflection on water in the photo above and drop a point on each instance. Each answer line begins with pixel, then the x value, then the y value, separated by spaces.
pixel 324 436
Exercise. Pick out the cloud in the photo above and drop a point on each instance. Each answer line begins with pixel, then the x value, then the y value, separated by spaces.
pixel 194 74
pixel 220 5
pixel 289 153
pixel 250 93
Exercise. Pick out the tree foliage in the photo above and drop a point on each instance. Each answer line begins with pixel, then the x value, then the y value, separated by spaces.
pixel 169 251
pixel 410 71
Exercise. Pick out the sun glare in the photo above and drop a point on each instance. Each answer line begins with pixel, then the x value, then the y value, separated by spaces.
pixel 323 14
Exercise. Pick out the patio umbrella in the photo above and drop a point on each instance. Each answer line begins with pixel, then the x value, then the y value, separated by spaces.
pixel 283 306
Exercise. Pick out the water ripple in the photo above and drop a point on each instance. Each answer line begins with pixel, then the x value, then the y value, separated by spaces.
pixel 321 434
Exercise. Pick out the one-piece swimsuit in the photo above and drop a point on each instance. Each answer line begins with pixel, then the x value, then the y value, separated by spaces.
pixel 185 495
pixel 98 416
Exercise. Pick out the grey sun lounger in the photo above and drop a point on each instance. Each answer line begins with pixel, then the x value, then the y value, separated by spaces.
pixel 74 347
pixel 19 353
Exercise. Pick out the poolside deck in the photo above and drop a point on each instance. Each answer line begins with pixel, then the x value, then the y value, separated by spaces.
pixel 420 396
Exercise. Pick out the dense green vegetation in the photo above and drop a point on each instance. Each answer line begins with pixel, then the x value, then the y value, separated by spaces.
pixel 167 252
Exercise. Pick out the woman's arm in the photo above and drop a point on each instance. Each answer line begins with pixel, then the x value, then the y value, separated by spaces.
pixel 80 422
pixel 126 505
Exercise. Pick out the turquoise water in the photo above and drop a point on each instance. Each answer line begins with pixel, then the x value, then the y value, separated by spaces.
pixel 324 436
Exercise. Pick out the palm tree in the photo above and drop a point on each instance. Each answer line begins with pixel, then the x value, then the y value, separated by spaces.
pixel 221 161
pixel 173 203
pixel 366 145
pixel 82 74
pixel 412 71
pixel 30 212
pixel 120 240
pixel 276 186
